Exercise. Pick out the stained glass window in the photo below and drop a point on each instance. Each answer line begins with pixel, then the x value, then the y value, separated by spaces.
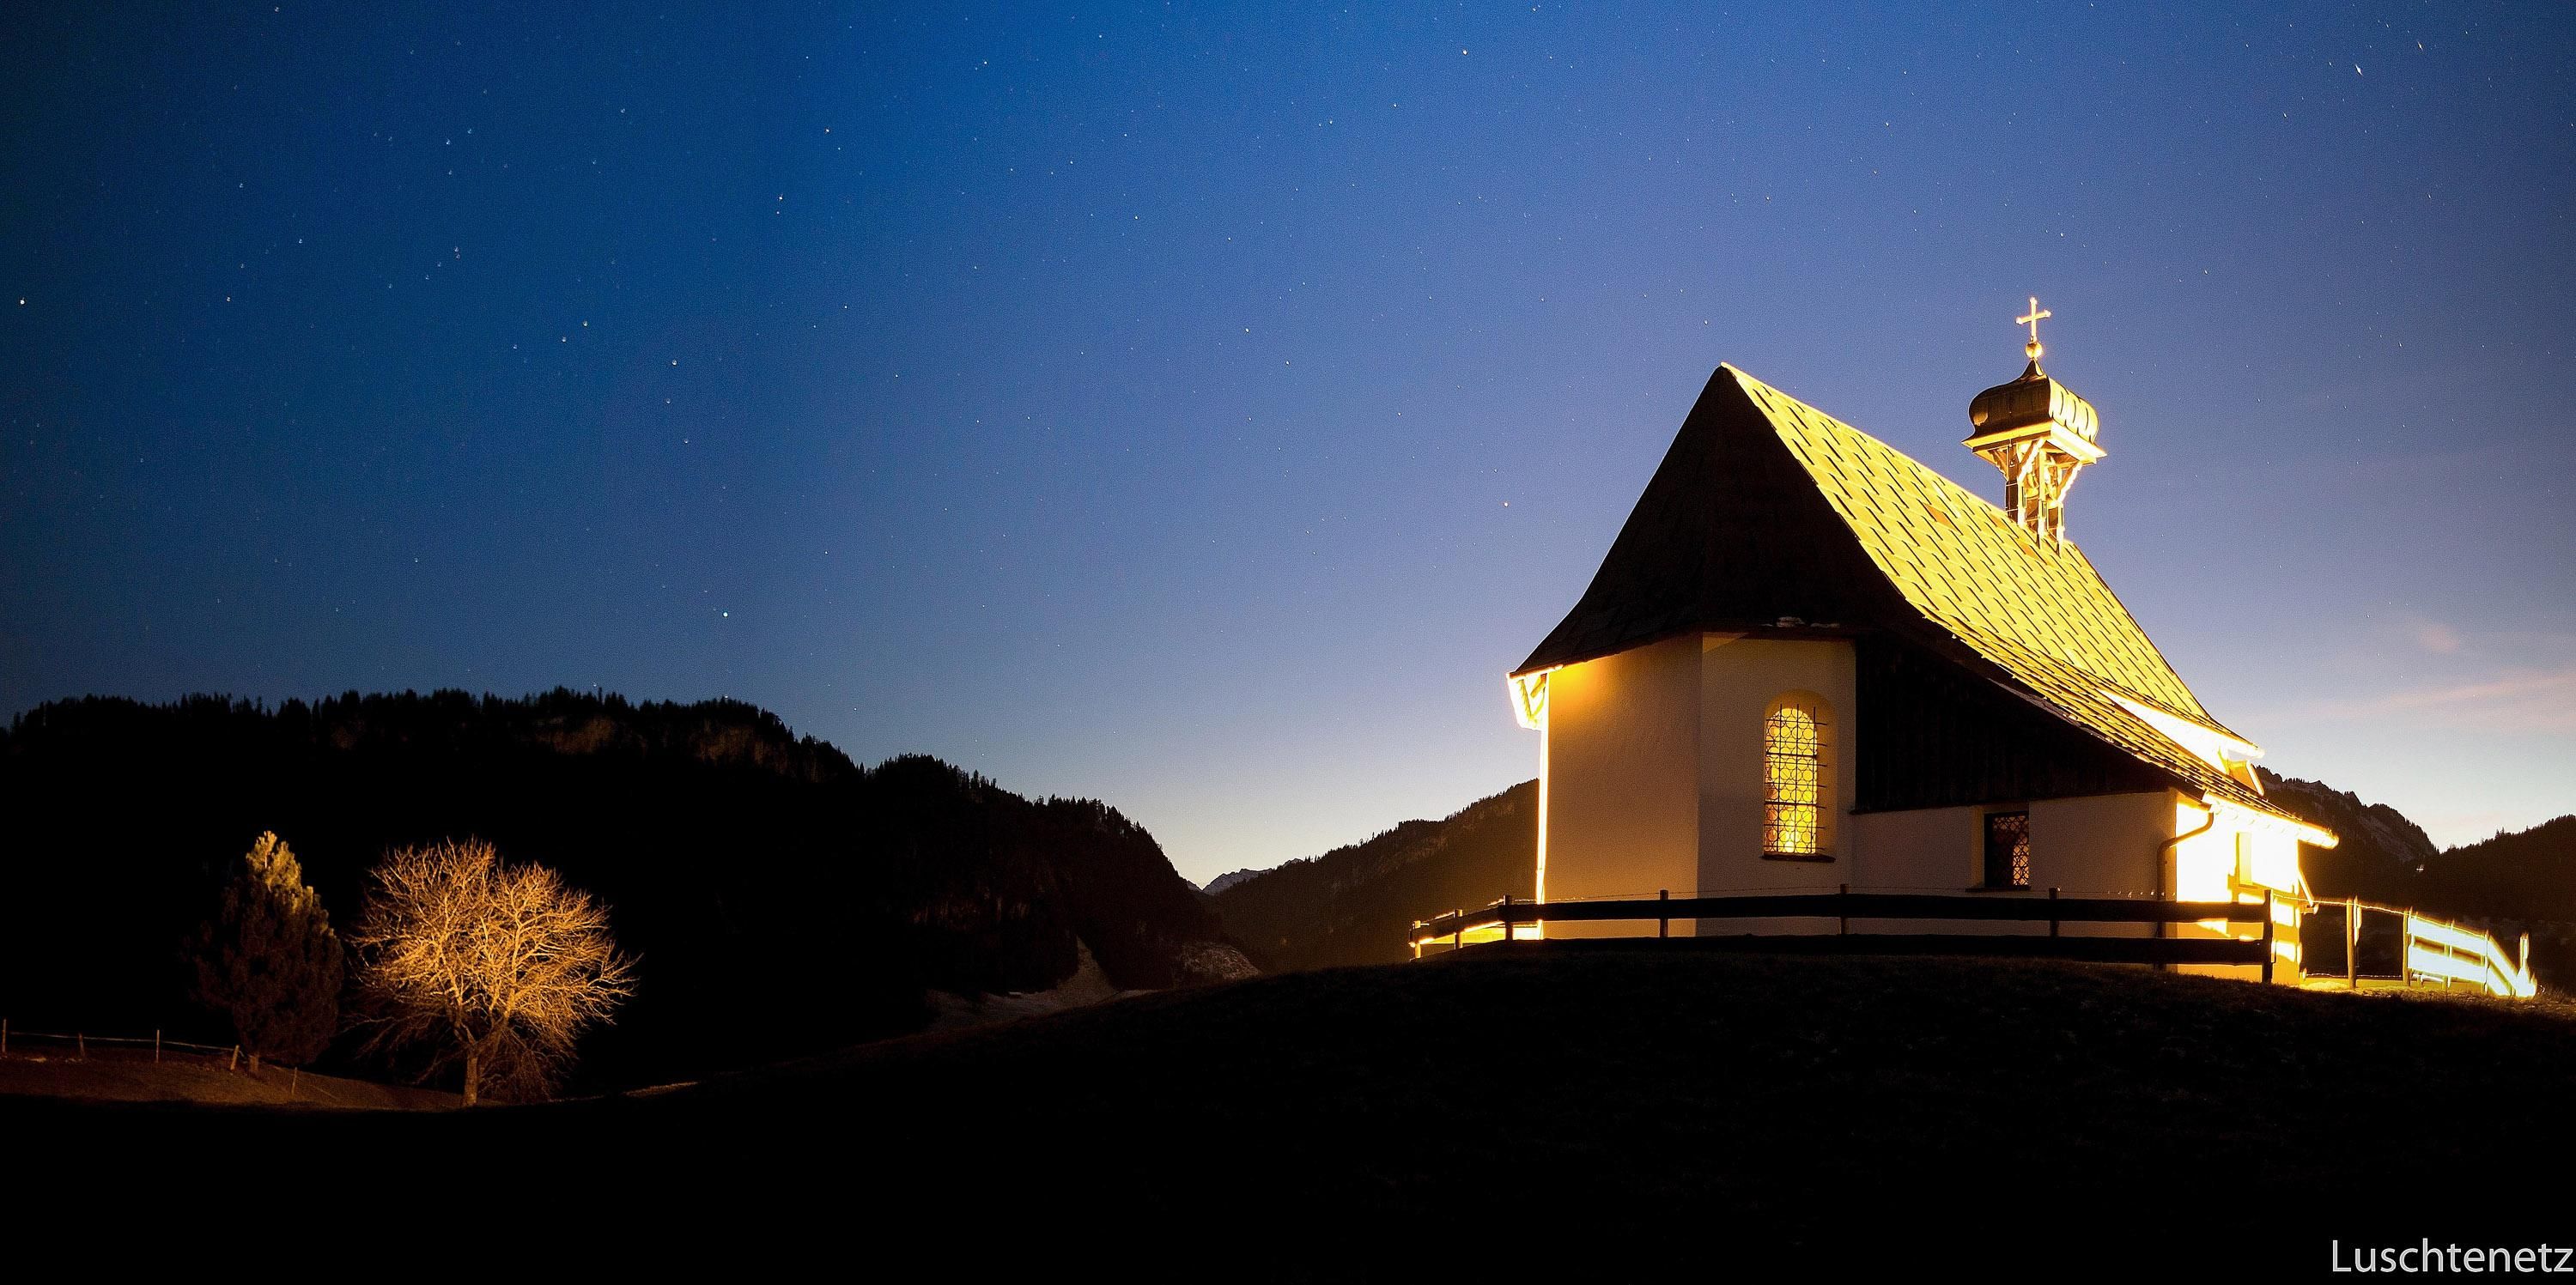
pixel 1794 804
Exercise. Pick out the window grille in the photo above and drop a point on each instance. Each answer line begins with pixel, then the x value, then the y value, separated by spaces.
pixel 2008 850
pixel 1794 804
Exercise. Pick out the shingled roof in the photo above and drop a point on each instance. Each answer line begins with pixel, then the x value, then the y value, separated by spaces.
pixel 1768 512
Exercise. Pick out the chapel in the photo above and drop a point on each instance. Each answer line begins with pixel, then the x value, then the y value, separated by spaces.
pixel 1811 663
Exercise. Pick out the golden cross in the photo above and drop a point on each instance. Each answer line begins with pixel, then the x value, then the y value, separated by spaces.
pixel 2032 320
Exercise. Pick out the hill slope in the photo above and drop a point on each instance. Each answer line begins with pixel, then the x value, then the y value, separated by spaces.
pixel 2534 869
pixel 1353 904
pixel 1625 1108
pixel 131 1075
pixel 783 899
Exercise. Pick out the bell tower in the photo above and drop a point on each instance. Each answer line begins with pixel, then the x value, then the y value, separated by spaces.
pixel 2040 434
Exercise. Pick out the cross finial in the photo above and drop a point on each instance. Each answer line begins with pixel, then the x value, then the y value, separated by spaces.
pixel 2032 320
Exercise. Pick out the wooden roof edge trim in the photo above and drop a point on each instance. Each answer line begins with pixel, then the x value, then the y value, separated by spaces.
pixel 2112 687
pixel 1771 632
pixel 2167 788
pixel 1727 409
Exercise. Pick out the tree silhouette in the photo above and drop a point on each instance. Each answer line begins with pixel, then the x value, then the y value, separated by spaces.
pixel 847 892
pixel 268 961
pixel 498 966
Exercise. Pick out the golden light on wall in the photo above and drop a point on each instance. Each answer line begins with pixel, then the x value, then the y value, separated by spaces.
pixel 1529 706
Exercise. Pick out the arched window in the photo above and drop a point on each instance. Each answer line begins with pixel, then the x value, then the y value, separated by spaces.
pixel 1797 778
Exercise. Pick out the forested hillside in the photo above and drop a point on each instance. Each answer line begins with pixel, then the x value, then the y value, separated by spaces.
pixel 2523 882
pixel 783 899
pixel 1352 905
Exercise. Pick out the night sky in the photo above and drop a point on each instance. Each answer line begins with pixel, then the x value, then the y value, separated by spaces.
pixel 1202 407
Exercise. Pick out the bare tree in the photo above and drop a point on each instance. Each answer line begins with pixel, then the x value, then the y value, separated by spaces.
pixel 496 965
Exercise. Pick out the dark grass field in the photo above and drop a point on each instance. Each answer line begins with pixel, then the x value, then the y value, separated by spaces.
pixel 1619 1114
pixel 134 1075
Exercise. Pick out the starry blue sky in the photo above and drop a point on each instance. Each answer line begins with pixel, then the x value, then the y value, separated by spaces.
pixel 1202 406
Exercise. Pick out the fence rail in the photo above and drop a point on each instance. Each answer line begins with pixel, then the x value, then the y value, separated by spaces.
pixel 2428 949
pixel 2433 950
pixel 1845 906
pixel 229 1056
pixel 81 1040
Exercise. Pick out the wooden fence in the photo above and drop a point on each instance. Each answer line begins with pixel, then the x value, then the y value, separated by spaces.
pixel 1845 906
pixel 2422 950
pixel 78 1043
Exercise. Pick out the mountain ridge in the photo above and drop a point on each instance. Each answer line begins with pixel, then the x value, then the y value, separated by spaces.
pixel 1353 904
pixel 783 898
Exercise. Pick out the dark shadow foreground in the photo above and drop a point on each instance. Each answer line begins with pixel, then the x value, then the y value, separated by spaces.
pixel 1620 1113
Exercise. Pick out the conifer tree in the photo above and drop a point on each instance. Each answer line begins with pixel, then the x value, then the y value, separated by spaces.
pixel 268 961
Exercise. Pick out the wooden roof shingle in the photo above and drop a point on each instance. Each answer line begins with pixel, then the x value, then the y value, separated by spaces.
pixel 1767 511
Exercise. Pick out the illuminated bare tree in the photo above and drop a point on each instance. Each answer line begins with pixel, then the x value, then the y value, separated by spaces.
pixel 496 965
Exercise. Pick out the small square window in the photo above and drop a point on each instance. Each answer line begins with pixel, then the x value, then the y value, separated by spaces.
pixel 2008 849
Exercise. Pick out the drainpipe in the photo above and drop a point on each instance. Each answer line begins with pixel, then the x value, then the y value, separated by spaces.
pixel 2164 857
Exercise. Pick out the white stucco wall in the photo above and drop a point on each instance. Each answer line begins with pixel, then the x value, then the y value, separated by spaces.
pixel 1654 780
pixel 2095 845
pixel 1622 779
pixel 1740 678
pixel 2099 844
pixel 2238 858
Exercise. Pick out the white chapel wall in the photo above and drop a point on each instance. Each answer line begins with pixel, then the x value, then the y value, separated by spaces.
pixel 2100 844
pixel 1655 781
pixel 2094 845
pixel 1740 677
pixel 1622 778
pixel 2237 859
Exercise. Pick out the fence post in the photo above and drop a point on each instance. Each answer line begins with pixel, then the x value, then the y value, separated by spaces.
pixel 1458 929
pixel 2352 942
pixel 2267 936
pixel 235 1064
pixel 156 1046
pixel 2161 928
pixel 1664 918
pixel 294 1076
pixel 1507 920
pixel 80 1041
pixel 2052 911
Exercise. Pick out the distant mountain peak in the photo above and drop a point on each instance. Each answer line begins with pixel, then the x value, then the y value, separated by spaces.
pixel 1228 880
pixel 2377 827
